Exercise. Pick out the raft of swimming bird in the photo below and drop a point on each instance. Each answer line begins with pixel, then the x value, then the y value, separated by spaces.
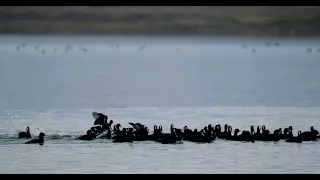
pixel 138 132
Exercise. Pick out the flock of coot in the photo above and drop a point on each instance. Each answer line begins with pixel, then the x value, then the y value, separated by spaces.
pixel 69 47
pixel 138 132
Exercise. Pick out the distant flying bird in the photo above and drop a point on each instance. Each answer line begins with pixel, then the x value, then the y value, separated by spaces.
pixel 308 50
pixel 36 47
pixel 68 48
pixel 84 49
pixel 142 48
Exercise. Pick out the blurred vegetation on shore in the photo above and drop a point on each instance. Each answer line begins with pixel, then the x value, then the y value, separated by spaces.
pixel 162 20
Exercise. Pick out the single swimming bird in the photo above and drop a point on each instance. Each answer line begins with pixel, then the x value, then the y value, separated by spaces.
pixel 86 137
pixel 37 141
pixel 297 139
pixel 310 135
pixel 25 134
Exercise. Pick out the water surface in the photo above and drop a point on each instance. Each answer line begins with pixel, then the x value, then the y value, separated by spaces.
pixel 189 81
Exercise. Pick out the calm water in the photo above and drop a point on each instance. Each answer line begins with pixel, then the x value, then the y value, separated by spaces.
pixel 157 80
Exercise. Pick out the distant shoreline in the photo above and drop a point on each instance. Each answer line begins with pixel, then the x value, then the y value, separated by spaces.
pixel 305 29
pixel 264 21
pixel 155 35
pixel 158 35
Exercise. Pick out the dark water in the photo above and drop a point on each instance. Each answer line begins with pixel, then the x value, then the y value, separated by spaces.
pixel 185 81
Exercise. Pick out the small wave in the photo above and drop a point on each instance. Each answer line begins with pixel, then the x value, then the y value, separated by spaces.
pixel 48 136
pixel 58 136
pixel 7 136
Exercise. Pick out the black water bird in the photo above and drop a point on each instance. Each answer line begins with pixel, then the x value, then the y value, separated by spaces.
pixel 25 134
pixel 87 137
pixel 100 119
pixel 310 135
pixel 37 141
pixel 297 139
